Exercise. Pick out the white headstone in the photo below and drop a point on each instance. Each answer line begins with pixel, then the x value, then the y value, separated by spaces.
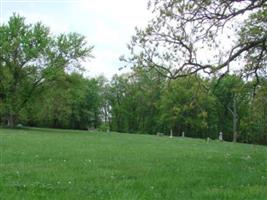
pixel 171 135
pixel 221 136
pixel 183 134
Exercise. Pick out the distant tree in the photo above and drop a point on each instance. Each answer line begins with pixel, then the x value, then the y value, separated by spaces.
pixel 233 97
pixel 73 102
pixel 30 57
pixel 186 106
pixel 122 109
pixel 93 102
pixel 187 37
pixel 149 87
pixel 105 110
pixel 254 123
pixel 133 100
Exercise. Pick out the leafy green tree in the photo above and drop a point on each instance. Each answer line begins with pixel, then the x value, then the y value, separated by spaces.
pixel 30 57
pixel 149 88
pixel 187 37
pixel 74 102
pixel 118 100
pixel 133 99
pixel 93 103
pixel 254 123
pixel 186 107
pixel 233 96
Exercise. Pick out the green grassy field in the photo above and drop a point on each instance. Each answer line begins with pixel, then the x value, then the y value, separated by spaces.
pixel 60 164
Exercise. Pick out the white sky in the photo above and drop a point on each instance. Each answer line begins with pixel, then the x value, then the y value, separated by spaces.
pixel 108 24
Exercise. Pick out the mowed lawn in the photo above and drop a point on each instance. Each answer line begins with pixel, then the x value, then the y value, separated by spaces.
pixel 63 164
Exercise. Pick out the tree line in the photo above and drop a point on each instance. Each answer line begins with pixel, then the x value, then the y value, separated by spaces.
pixel 145 102
pixel 42 84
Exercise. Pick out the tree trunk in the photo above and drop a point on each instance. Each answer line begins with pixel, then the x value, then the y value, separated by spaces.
pixel 235 118
pixel 11 120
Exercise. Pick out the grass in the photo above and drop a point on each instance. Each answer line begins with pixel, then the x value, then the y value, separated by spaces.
pixel 78 165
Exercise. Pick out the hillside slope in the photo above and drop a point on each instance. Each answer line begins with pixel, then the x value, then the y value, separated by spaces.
pixel 62 164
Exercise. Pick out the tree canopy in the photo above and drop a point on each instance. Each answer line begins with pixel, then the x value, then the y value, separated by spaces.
pixel 32 57
pixel 214 37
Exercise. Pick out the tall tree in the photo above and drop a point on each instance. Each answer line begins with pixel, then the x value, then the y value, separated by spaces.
pixel 254 123
pixel 31 56
pixel 233 96
pixel 186 37
pixel 186 107
pixel 134 101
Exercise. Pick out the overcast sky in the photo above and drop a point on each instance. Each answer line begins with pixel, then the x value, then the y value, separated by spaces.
pixel 108 25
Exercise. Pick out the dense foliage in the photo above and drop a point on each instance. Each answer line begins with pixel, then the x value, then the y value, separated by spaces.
pixel 145 102
pixel 41 84
pixel 31 59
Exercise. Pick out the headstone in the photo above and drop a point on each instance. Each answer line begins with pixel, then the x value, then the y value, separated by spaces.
pixel 171 134
pixel 19 126
pixel 208 139
pixel 221 136
pixel 183 135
